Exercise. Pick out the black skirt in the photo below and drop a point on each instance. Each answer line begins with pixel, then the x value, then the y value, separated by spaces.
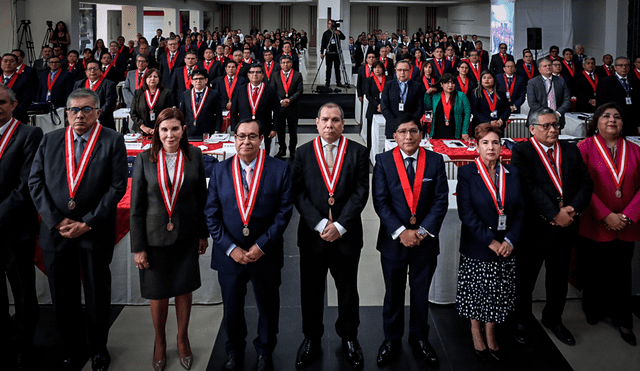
pixel 173 270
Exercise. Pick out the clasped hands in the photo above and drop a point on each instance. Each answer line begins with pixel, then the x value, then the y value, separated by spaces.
pixel 615 222
pixel 565 217
pixel 411 237
pixel 330 232
pixel 140 257
pixel 71 229
pixel 501 249
pixel 243 256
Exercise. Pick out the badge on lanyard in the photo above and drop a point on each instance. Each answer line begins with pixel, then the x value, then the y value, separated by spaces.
pixel 628 100
pixel 333 41
pixel 386 73
pixel 508 95
pixel 502 222
pixel 401 107
pixel 494 114
pixel 152 116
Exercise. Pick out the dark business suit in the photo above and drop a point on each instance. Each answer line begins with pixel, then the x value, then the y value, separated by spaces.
pixel 18 226
pixel 165 71
pixel 41 65
pixel 103 185
pixel 521 70
pixel 374 96
pixel 389 103
pixel 140 110
pixel 209 119
pixel 268 111
pixel 215 70
pixel 60 90
pixel 269 219
pixel 610 89
pixel 541 241
pixel 340 257
pixel 288 114
pixel 294 60
pixel 483 55
pixel 519 90
pixel 585 91
pixel 362 84
pixel 537 96
pixel 77 71
pixel 451 65
pixel 496 65
pixel 120 65
pixel 420 261
pixel 274 72
pixel 25 90
pixel 220 84
pixel 108 97
pixel 482 112
pixel 178 83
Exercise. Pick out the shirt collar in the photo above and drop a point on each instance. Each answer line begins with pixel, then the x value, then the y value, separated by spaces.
pixel 84 136
pixel 324 142
pixel 413 156
pixel 620 77
pixel 252 164
pixel 4 127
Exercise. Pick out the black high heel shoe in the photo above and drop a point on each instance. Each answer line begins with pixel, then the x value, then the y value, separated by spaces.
pixel 483 355
pixel 628 336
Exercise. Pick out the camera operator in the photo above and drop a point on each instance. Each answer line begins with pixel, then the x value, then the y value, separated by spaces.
pixel 329 45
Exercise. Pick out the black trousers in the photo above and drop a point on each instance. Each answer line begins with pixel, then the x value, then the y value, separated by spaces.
pixel 605 275
pixel 332 59
pixel 313 277
pixel 289 116
pixel 66 270
pixel 556 255
pixel 420 265
pixel 266 288
pixel 16 261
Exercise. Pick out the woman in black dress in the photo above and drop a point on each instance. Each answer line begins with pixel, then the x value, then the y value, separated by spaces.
pixel 463 82
pixel 168 228
pixel 148 101
pixel 60 37
pixel 374 90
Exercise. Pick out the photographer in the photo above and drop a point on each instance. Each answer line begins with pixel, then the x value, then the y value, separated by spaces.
pixel 329 44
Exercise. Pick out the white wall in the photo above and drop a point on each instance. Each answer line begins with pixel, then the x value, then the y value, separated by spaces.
pixel 101 22
pixel 470 19
pixel 586 20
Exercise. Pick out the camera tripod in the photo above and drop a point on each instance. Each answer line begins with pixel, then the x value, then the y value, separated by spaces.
pixel 343 70
pixel 24 32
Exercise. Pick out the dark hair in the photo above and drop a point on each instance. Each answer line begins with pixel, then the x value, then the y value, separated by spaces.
pixel 482 130
pixel 567 50
pixel 20 51
pixel 246 121
pixel 592 126
pixel 405 118
pixel 149 72
pixel 10 55
pixel 478 91
pixel 94 61
pixel 229 61
pixel 64 27
pixel 554 47
pixel 446 78
pixel 289 57
pixel 201 72
pixel 425 64
pixel 156 144
pixel 257 65
pixel 74 52
pixel 378 63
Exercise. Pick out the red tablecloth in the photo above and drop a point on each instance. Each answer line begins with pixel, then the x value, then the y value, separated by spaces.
pixel 462 153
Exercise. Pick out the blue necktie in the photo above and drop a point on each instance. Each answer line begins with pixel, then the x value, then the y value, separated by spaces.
pixel 410 172
pixel 403 92
pixel 198 98
pixel 79 148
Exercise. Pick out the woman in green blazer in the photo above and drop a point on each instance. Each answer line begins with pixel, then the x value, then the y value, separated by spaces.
pixel 451 110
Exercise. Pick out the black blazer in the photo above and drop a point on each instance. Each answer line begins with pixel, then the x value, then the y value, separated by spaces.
pixel 295 61
pixel 60 90
pixel 103 185
pixel 362 85
pixel 310 196
pixel 18 216
pixel 274 72
pixel 268 111
pixel 215 70
pixel 496 65
pixel 374 97
pixel 482 113
pixel 167 73
pixel 220 85
pixel 210 118
pixel 108 97
pixel 140 110
pixel 520 70
pixel 25 90
pixel 149 216
pixel 391 99
pixel 178 86
pixel 585 92
pixel 77 72
pixel 519 90
pixel 295 89
pixel 611 90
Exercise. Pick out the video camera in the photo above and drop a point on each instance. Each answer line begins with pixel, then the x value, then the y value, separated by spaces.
pixel 335 24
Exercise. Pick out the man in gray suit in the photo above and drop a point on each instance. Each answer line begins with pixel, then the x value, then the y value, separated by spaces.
pixel 550 91
pixel 134 79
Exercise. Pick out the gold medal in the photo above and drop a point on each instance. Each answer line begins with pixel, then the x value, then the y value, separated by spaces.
pixel 253 117
pixel 446 123
pixel 169 226
pixel 286 95
pixel 331 200
pixel 413 220
pixel 618 193
pixel 245 231
pixel 71 204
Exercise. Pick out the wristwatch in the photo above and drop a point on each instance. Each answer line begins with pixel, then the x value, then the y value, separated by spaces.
pixel 422 232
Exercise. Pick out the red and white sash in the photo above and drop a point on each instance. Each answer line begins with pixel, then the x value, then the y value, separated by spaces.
pixel 11 128
pixel 617 172
pixel 556 177
pixel 330 178
pixel 411 191
pixel 168 191
pixel 75 175
pixel 488 182
pixel 246 206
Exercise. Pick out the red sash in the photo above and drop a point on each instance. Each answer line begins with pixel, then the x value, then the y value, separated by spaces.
pixel 488 182
pixel 113 62
pixel 419 65
pixel 20 69
pixel 492 103
pixel 151 103
pixel 198 109
pixel 411 194
pixel 268 70
pixel 572 69
pixel 509 88
pixel 453 62
pixel 367 70
pixel 187 78
pixel 207 67
pixel 636 72
pixel 330 178
pixel 51 83
pixel 252 103
pixel 556 177
pixel 286 84
pixel 385 62
pixel 170 192
pixel 476 73
pixel 617 172
pixel 75 175
pixel 594 84
pixel 380 85
pixel 198 44
pixel 97 84
pixel 440 70
pixel 463 87
pixel 4 141
pixel 606 70
pixel 526 70
pixel 138 81
pixel 169 63
pixel 427 83
pixel 13 80
pixel 70 66
pixel 230 88
pixel 504 59
pixel 246 206
pixel 446 106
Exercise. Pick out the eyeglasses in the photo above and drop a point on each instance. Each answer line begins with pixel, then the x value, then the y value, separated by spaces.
pixel 622 65
pixel 253 72
pixel 58 62
pixel 243 137
pixel 547 126
pixel 86 109
pixel 93 69
pixel 402 70
pixel 197 79
pixel 411 132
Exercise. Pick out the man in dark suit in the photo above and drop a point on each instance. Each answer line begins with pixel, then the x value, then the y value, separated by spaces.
pixel 606 69
pixel 74 66
pixel 18 226
pixel 330 231
pixel 21 85
pixel 483 55
pixel 363 51
pixel 108 69
pixel 143 49
pixel 527 69
pixel 170 61
pixel 135 79
pixel 77 231
pixel 625 92
pixel 547 90
pixel 288 84
pixel 578 55
pixel 401 95
pixel 514 86
pixel 286 50
pixel 364 73
pixel 207 115
pixel 243 68
pixel 498 60
pixel 229 83
pixel 261 104
pixel 329 46
pixel 475 67
pixel 42 63
pixel 209 64
pixel 105 89
pixel 267 46
pixel 181 79
pixel 451 61
pixel 247 240
pixel 586 83
pixel 157 38
pixel 119 59
pixel 55 85
pixel 389 66
pixel 634 75
pixel 556 188
pixel 439 62
pixel 408 236
pixel 23 68
pixel 271 67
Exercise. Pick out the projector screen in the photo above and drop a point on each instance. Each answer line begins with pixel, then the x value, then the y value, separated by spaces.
pixel 502 25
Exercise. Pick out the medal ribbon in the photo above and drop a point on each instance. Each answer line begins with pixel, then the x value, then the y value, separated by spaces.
pixel 13 80
pixel 138 81
pixel 246 206
pixel 526 70
pixel 441 70
pixel 197 110
pixel 606 70
pixel 594 84
pixel 230 88
pixel 572 69
pixel 113 62
pixel 151 103
pixel 556 178
pixel 187 78
pixel 492 102
pixel 476 73
pixel 254 105
pixel 367 71
pixel 510 88
pixel 427 83
pixel 97 84
pixel 491 187
pixel 13 124
pixel 74 176
pixel 51 83
pixel 170 192
pixel 380 85
pixel 463 87
pixel 169 63
pixel 635 70
pixel 330 179
pixel 69 66
pixel 267 70
pixel 617 173
pixel 446 106
pixel 419 65
pixel 411 195
pixel 386 60
pixel 504 59
pixel 207 67
pixel 21 69
pixel 286 84
pixel 453 62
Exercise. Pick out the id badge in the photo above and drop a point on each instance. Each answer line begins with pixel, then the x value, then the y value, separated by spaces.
pixel 502 222
pixel 401 107
pixel 380 96
pixel 494 114
pixel 333 41
pixel 152 116
pixel 508 95
pixel 386 73
pixel 628 100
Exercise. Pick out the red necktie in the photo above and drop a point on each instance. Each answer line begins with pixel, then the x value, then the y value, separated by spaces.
pixel 255 94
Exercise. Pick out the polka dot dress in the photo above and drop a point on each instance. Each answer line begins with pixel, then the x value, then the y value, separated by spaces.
pixel 486 289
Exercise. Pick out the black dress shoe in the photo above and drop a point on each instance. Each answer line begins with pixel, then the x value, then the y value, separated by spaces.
pixel 292 153
pixel 101 362
pixel 496 354
pixel 629 337
pixel 265 363
pixel 308 351
pixel 388 351
pixel 353 352
pixel 327 84
pixel 520 334
pixel 281 153
pixel 423 348
pixel 562 333
pixel 483 355
pixel 234 361
pixel 340 85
